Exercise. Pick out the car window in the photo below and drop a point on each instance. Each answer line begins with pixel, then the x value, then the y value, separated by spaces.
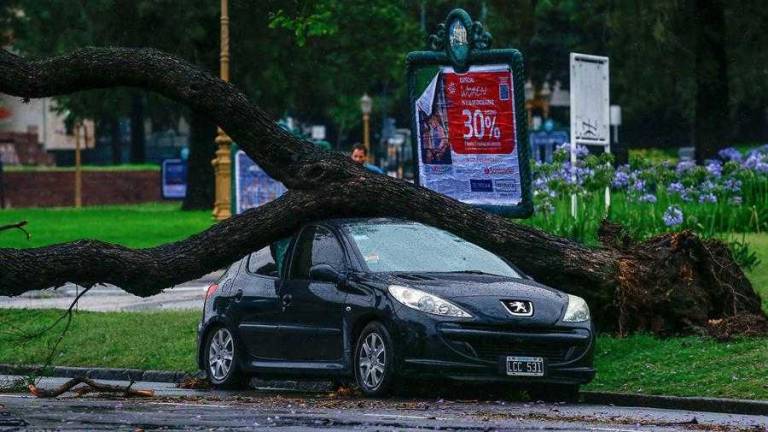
pixel 327 250
pixel 262 262
pixel 302 255
pixel 316 245
pixel 413 247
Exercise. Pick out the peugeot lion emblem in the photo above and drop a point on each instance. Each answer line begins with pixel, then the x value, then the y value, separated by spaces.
pixel 522 308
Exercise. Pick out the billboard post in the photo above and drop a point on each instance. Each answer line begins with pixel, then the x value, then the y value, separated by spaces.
pixel 469 125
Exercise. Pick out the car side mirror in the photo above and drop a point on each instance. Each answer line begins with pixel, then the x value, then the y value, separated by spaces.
pixel 325 273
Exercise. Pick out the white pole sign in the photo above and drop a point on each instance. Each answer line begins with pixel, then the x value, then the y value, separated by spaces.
pixel 590 113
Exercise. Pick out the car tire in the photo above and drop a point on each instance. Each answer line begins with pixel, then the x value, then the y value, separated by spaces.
pixel 220 358
pixel 554 393
pixel 374 361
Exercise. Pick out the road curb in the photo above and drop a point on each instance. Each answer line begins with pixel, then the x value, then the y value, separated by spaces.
pixel 718 405
pixel 116 374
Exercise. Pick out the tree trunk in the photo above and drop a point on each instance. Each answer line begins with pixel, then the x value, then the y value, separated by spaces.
pixel 669 284
pixel 138 141
pixel 199 168
pixel 711 111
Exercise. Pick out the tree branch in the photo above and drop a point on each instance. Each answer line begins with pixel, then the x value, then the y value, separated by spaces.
pixel 670 283
pixel 18 225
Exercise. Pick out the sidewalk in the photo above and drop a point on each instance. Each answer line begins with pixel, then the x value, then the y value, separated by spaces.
pixel 107 298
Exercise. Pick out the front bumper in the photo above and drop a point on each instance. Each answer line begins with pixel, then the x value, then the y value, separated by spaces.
pixel 472 351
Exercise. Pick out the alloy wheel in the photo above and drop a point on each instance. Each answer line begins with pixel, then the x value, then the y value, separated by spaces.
pixel 221 354
pixel 373 360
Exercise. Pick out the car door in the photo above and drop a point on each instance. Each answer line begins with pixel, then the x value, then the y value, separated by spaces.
pixel 311 323
pixel 256 299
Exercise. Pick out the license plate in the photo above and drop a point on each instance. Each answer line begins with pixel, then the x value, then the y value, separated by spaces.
pixel 525 366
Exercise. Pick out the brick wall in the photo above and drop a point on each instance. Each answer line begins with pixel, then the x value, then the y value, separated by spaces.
pixel 57 188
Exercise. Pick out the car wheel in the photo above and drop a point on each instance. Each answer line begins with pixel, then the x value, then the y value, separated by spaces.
pixel 221 365
pixel 554 393
pixel 374 358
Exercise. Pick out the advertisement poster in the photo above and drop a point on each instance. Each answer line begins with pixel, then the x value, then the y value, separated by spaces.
pixel 253 187
pixel 467 141
pixel 174 175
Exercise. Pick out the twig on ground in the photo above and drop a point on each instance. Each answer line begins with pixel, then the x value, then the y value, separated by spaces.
pixel 91 386
pixel 18 225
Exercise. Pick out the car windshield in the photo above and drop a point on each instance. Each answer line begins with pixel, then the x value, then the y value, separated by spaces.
pixel 413 247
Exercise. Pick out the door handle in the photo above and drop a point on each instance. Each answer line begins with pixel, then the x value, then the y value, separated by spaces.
pixel 239 295
pixel 287 300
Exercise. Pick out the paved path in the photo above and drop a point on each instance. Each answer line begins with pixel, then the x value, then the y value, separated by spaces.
pixel 177 409
pixel 103 298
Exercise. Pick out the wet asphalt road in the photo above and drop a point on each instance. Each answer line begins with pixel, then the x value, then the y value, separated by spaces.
pixel 176 409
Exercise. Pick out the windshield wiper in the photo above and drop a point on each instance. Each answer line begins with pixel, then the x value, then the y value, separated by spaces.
pixel 472 272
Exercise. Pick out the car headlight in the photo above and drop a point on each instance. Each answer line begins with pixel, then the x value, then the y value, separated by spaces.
pixel 425 302
pixel 577 310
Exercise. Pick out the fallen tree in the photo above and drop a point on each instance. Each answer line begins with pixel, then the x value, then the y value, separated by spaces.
pixel 672 283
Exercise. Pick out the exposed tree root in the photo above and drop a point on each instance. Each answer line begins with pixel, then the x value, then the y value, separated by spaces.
pixel 678 283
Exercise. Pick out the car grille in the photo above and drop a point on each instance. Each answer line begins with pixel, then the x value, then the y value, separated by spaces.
pixel 490 348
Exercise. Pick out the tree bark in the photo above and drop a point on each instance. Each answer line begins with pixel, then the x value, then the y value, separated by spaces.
pixel 671 283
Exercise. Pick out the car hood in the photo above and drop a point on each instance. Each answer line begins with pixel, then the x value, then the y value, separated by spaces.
pixel 484 295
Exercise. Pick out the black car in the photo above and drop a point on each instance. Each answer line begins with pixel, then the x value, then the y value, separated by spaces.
pixel 385 299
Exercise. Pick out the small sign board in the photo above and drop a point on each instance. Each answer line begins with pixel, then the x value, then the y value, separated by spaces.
pixel 174 178
pixel 469 119
pixel 590 109
pixel 590 115
pixel 252 187
pixel 544 144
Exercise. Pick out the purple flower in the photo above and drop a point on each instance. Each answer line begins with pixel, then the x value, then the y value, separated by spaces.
pixel 732 185
pixel 648 198
pixel 676 187
pixel 715 168
pixel 752 160
pixel 735 200
pixel 707 186
pixel 685 166
pixel 673 216
pixel 639 185
pixel 707 198
pixel 620 180
pixel 729 154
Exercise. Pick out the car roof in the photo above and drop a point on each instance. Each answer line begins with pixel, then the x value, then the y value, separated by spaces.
pixel 339 222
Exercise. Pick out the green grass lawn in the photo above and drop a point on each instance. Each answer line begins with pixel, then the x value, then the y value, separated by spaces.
pixel 759 275
pixel 141 225
pixel 148 340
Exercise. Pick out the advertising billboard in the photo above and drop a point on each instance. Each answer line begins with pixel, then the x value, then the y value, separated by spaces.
pixel 252 186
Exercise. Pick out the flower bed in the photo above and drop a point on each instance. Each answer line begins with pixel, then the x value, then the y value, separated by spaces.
pixel 726 196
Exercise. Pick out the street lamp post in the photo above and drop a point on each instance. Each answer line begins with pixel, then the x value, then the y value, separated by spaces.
pixel 366 104
pixel 221 164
